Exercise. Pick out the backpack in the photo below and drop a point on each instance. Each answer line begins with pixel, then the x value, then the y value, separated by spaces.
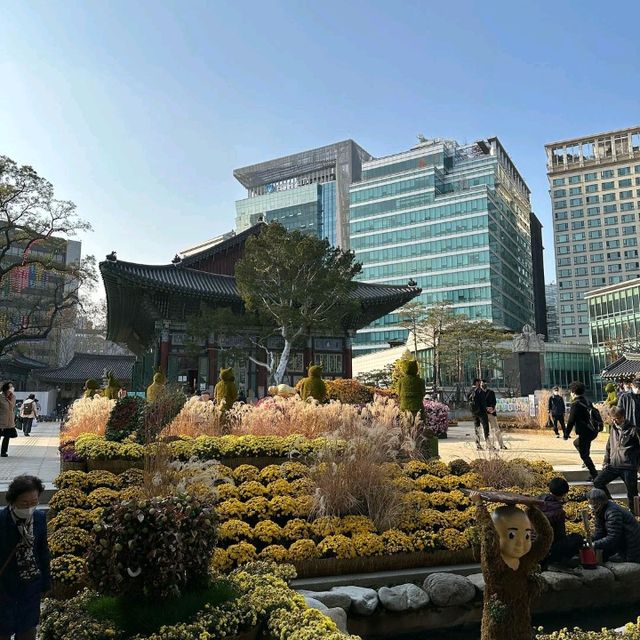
pixel 595 423
pixel 27 408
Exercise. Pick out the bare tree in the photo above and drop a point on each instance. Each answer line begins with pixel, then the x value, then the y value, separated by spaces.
pixel 34 227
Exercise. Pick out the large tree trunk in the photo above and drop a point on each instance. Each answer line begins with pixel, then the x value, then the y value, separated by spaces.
pixel 284 361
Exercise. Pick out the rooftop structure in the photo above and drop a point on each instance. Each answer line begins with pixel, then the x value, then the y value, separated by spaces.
pixel 307 191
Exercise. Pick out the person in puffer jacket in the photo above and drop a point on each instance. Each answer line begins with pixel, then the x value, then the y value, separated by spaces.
pixel 621 457
pixel 617 530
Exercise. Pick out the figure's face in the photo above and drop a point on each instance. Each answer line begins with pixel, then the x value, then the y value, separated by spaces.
pixel 555 392
pixel 619 420
pixel 515 532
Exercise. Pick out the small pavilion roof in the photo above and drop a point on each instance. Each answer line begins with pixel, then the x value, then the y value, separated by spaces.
pixel 89 365
pixel 628 366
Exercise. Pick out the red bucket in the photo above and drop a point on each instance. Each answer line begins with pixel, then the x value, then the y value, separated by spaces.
pixel 588 558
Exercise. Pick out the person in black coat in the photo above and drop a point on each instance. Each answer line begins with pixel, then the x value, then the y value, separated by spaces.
pixel 630 404
pixel 617 530
pixel 478 405
pixel 564 547
pixel 24 559
pixel 621 457
pixel 557 410
pixel 579 418
pixel 492 414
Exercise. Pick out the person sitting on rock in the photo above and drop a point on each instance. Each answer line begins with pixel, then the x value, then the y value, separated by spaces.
pixel 617 531
pixel 564 547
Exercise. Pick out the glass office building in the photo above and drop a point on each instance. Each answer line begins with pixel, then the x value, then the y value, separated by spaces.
pixel 553 321
pixel 307 191
pixel 595 194
pixel 454 218
pixel 614 323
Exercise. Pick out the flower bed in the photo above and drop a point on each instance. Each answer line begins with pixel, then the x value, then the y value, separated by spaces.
pixel 264 604
pixel 266 514
pixel 631 632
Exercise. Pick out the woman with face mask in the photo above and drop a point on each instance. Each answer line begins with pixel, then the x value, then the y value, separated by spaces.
pixel 24 559
pixel 7 417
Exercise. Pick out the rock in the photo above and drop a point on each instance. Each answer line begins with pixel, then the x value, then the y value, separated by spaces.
pixel 406 597
pixel 364 601
pixel 315 604
pixel 330 599
pixel 449 589
pixel 560 581
pixel 477 579
pixel 339 616
pixel 624 571
pixel 598 577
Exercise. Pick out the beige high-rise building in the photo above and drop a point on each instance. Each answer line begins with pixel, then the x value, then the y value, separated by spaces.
pixel 595 196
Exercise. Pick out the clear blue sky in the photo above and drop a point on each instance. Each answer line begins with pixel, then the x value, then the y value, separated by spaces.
pixel 140 111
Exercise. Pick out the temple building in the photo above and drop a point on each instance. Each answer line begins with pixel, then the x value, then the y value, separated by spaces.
pixel 149 307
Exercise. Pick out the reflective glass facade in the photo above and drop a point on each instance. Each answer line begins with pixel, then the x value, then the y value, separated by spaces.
pixel 614 323
pixel 456 219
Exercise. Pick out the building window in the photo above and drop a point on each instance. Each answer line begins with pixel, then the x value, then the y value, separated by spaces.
pixel 564 273
pixel 607 174
pixel 592 199
pixel 559 193
pixel 626 195
pixel 579 235
pixel 596 271
pixel 594 222
pixel 582 271
pixel 610 208
pixel 577 213
pixel 561 204
pixel 567 320
pixel 558 182
pixel 569 333
pixel 595 234
pixel 608 197
pixel 563 250
pixel 582 283
pixel 611 220
pixel 611 233
pixel 596 257
pixel 624 183
pixel 631 253
pixel 575 179
pixel 577 225
pixel 630 242
pixel 580 260
pixel 575 202
pixel 576 191
pixel 565 297
pixel 627 206
pixel 615 279
pixel 628 231
pixel 631 266
pixel 598 282
pixel 578 248
pixel 613 244
pixel 563 262
pixel 593 175
pixel 624 171
pixel 562 237
pixel 562 226
pixel 593 211
pixel 613 255
pixel 561 215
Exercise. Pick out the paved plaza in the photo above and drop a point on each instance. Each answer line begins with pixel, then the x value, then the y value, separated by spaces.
pixel 530 444
pixel 36 455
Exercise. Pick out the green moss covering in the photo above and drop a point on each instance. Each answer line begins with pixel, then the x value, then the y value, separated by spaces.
pixel 112 388
pixel 411 388
pixel 226 392
pixel 612 394
pixel 156 386
pixel 314 386
pixel 91 388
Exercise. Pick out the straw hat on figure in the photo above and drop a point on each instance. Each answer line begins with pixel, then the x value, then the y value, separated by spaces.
pixel 509 558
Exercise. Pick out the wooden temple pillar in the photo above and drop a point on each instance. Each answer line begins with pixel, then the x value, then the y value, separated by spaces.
pixel 212 355
pixel 165 348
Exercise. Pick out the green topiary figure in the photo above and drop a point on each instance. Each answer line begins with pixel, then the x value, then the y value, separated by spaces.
pixel 612 394
pixel 411 389
pixel 91 388
pixel 156 386
pixel 226 392
pixel 314 386
pixel 112 388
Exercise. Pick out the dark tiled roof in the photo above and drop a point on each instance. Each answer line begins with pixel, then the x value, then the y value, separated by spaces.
pixel 181 279
pixel 234 240
pixel 626 367
pixel 172 278
pixel 89 365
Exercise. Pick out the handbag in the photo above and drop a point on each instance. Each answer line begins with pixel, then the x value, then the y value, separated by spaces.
pixel 9 432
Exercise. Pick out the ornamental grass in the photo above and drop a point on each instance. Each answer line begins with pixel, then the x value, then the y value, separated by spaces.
pixel 87 415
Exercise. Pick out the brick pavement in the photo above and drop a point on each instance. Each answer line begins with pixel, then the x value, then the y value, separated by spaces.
pixel 533 445
pixel 36 455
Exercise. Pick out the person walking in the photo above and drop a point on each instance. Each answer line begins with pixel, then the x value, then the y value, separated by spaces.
pixel 580 419
pixel 7 417
pixel 28 413
pixel 557 410
pixel 478 405
pixel 24 559
pixel 630 404
pixel 621 457
pixel 492 415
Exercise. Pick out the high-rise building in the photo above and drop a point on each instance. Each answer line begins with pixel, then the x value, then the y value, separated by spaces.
pixel 454 218
pixel 307 191
pixel 29 294
pixel 594 185
pixel 553 322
